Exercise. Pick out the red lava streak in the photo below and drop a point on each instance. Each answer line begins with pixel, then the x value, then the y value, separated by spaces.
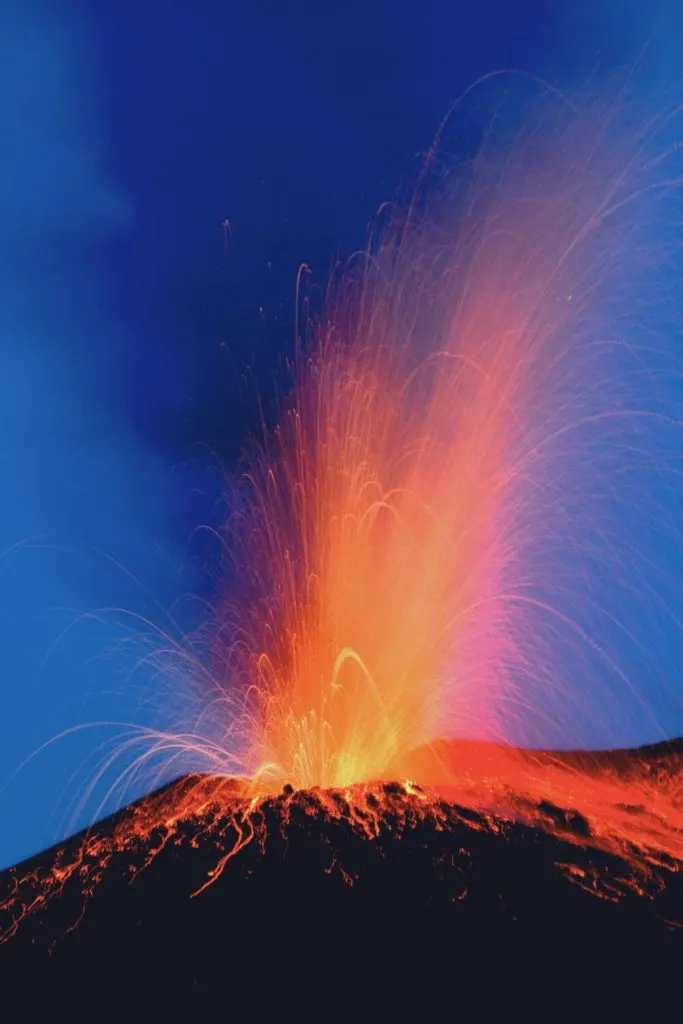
pixel 408 550
pixel 628 806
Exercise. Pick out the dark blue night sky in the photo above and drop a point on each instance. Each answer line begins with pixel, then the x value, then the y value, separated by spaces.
pixel 136 331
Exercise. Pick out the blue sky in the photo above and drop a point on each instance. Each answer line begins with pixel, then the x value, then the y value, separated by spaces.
pixel 131 338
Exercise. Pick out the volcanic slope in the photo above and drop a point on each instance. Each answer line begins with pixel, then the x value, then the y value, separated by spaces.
pixel 204 898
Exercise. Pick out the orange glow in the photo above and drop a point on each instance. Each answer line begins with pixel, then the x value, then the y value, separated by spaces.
pixel 376 541
pixel 388 608
pixel 629 808
pixel 429 451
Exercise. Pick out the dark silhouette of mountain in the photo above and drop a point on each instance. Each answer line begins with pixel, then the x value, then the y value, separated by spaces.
pixel 441 913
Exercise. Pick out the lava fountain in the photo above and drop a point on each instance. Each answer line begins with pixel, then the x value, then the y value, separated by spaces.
pixel 424 529
pixel 426 524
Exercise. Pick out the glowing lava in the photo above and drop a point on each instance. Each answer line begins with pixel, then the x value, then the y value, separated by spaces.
pixel 398 540
pixel 425 527
pixel 631 817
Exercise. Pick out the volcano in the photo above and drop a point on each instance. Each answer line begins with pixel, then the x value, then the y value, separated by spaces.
pixel 203 899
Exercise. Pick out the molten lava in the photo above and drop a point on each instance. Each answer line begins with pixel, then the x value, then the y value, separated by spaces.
pixel 397 543
pixel 621 814
pixel 420 534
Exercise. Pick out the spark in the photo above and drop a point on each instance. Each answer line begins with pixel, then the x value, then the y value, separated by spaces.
pixel 460 413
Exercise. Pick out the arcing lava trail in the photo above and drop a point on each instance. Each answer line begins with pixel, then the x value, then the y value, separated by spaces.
pixel 416 541
pixel 630 819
